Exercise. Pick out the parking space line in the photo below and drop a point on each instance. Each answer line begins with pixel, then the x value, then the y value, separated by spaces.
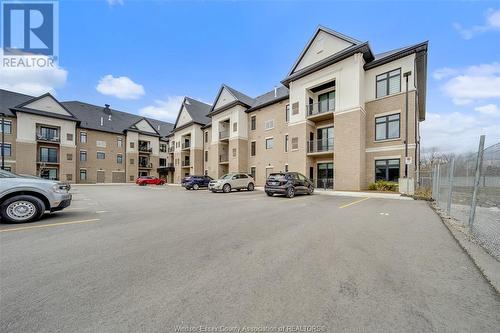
pixel 353 203
pixel 49 225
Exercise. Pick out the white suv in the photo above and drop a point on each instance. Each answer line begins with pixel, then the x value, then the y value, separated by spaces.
pixel 232 181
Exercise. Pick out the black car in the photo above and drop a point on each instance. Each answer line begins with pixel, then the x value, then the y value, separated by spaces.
pixel 289 184
pixel 195 182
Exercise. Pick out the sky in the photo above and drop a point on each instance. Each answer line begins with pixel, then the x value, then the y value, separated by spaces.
pixel 144 56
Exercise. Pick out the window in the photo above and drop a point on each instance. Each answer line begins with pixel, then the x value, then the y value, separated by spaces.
pixel 269 124
pixel 286 143
pixel 132 145
pixel 206 156
pixel 7 125
pixel 295 143
pixel 387 127
pixel 286 167
pixel 163 148
pixel 326 102
pixel 7 149
pixel 101 155
pixel 119 142
pixel 69 176
pixel 69 157
pixel 131 178
pixel 253 123
pixel 163 162
pixel 49 174
pixel 69 136
pixel 252 172
pixel 83 174
pixel 287 113
pixel 295 108
pixel 234 152
pixel 48 155
pixel 131 161
pixel 206 172
pixel 83 138
pixel 119 158
pixel 269 143
pixel 83 155
pixel 206 136
pixel 252 148
pixel 100 144
pixel 388 83
pixel 387 170
pixel 235 127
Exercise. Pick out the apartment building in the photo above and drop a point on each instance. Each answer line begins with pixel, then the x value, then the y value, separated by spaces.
pixel 80 142
pixel 344 116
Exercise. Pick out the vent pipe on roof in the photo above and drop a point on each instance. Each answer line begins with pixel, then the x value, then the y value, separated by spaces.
pixel 275 91
pixel 158 127
pixel 109 117
pixel 106 109
pixel 102 121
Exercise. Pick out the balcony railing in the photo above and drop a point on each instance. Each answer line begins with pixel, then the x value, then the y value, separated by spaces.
pixel 171 149
pixel 223 135
pixel 323 183
pixel 223 158
pixel 320 146
pixel 145 165
pixel 186 163
pixel 145 149
pixel 48 138
pixel 321 107
pixel 186 145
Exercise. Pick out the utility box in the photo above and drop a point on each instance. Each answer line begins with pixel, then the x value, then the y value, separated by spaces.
pixel 407 186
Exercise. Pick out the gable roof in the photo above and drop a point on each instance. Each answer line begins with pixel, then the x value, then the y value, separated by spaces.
pixel 311 40
pixel 24 107
pixel 135 128
pixel 197 110
pixel 240 99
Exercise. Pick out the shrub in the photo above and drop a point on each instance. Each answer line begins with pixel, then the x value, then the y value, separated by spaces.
pixel 383 185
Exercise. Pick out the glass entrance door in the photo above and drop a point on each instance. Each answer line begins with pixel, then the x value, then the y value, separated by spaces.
pixel 325 139
pixel 325 176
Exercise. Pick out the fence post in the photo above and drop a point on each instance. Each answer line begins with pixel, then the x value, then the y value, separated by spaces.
pixel 450 184
pixel 437 182
pixel 477 178
pixel 433 179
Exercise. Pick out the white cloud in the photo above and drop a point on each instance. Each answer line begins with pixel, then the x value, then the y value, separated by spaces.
pixel 492 23
pixel 458 131
pixel 166 110
pixel 33 81
pixel 489 109
pixel 120 87
pixel 115 2
pixel 466 85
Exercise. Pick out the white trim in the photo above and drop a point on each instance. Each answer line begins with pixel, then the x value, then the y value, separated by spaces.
pixel 325 126
pixel 388 113
pixel 357 108
pixel 388 148
pixel 392 95
pixel 269 166
pixel 386 157
pixel 387 140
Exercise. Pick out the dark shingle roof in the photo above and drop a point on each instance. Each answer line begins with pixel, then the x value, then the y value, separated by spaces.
pixel 197 110
pixel 10 99
pixel 269 98
pixel 240 96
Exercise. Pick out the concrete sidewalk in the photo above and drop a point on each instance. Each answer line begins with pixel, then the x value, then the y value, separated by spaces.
pixel 367 194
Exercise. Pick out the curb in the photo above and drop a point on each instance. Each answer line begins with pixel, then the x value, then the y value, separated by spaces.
pixel 486 264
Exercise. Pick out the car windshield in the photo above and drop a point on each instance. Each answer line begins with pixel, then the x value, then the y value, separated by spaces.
pixel 7 174
pixel 277 176
pixel 228 176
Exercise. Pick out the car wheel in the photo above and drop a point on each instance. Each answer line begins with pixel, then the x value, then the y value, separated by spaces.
pixel 250 187
pixel 196 187
pixel 310 190
pixel 226 188
pixel 187 188
pixel 290 192
pixel 22 208
pixel 269 194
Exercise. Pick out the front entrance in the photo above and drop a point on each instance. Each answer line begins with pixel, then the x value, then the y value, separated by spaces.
pixel 325 176
pixel 268 172
pixel 101 176
pixel 118 177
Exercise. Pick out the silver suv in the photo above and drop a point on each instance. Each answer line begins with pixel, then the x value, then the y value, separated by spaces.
pixel 232 181
pixel 26 198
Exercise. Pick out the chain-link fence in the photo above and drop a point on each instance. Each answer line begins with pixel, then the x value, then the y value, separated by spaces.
pixel 467 188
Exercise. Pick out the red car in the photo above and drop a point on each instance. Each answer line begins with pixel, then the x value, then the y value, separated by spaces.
pixel 149 180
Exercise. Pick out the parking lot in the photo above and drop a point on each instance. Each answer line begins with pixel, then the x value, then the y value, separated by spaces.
pixel 149 259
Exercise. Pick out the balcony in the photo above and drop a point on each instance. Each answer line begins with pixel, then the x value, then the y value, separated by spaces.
pixel 321 111
pixel 166 167
pixel 186 145
pixel 323 183
pixel 145 149
pixel 320 147
pixel 48 138
pixel 224 135
pixel 145 165
pixel 224 159
pixel 171 149
pixel 186 163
